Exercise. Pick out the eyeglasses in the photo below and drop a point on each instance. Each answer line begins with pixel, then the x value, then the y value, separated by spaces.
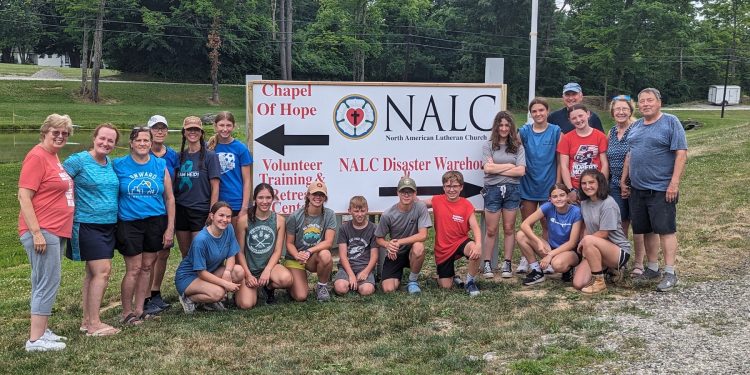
pixel 451 187
pixel 623 110
pixel 159 130
pixel 57 133
pixel 621 97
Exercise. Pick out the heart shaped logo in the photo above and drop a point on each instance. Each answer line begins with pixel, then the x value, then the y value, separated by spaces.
pixel 355 116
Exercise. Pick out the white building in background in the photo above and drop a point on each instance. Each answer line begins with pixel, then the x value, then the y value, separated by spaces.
pixel 52 60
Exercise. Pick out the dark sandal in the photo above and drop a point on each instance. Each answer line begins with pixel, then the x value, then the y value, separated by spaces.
pixel 146 316
pixel 131 320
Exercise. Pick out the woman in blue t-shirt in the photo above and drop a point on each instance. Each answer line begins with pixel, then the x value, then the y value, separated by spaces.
pixel 94 223
pixel 203 277
pixel 564 222
pixel 235 159
pixel 145 224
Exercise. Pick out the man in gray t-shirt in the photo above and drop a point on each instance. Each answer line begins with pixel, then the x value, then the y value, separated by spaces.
pixel 406 224
pixel 654 165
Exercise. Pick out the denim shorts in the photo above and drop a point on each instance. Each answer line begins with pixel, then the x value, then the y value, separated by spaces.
pixel 624 204
pixel 503 196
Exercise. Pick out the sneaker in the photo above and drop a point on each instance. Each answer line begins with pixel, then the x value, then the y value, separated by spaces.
pixel 215 306
pixel 487 271
pixel 567 276
pixel 151 308
pixel 322 293
pixel 668 282
pixel 43 345
pixel 549 270
pixel 597 285
pixel 534 277
pixel 51 336
pixel 523 266
pixel 458 282
pixel 472 289
pixel 506 272
pixel 187 304
pixel 159 302
pixel 270 295
pixel 413 288
pixel 647 275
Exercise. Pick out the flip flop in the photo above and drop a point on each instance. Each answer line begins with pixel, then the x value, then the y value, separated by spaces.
pixel 131 320
pixel 83 329
pixel 146 316
pixel 104 331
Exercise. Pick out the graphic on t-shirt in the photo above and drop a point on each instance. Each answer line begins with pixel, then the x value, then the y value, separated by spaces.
pixel 357 247
pixel 186 172
pixel 142 184
pixel 584 159
pixel 311 234
pixel 263 239
pixel 226 160
pixel 68 194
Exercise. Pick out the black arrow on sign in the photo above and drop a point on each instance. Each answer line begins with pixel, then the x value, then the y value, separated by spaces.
pixel 470 190
pixel 276 140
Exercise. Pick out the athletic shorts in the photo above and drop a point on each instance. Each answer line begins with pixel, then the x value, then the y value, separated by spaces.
pixel 502 196
pixel 394 269
pixel 651 213
pixel 624 256
pixel 92 242
pixel 188 219
pixel 293 264
pixel 138 236
pixel 447 269
pixel 341 275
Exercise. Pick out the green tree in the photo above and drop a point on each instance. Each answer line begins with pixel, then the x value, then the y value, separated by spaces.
pixel 20 30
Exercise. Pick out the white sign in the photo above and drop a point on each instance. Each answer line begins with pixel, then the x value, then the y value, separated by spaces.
pixel 359 138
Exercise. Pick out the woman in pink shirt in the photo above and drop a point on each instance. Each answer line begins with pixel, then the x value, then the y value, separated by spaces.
pixel 45 193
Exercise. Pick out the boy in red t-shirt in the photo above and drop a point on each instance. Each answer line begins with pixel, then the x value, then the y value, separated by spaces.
pixel 454 218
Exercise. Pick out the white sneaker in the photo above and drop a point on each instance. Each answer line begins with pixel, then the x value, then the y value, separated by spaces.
pixel 506 272
pixel 523 265
pixel 51 336
pixel 43 345
pixel 549 269
pixel 487 271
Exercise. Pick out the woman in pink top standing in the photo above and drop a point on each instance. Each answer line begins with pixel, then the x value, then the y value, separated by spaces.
pixel 45 193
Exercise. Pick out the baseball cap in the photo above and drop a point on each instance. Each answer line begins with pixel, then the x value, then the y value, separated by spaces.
pixel 572 86
pixel 406 183
pixel 317 187
pixel 157 119
pixel 192 122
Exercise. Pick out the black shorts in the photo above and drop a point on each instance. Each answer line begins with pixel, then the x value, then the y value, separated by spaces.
pixel 651 213
pixel 394 269
pixel 188 219
pixel 92 242
pixel 144 235
pixel 448 269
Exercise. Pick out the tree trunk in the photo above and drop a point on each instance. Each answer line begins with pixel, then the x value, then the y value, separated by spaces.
pixel 274 4
pixel 7 55
pixel 85 61
pixel 358 58
pixel 289 39
pixel 97 60
pixel 214 43
pixel 282 39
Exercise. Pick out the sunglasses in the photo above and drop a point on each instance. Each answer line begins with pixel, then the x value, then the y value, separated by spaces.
pixel 57 133
pixel 621 97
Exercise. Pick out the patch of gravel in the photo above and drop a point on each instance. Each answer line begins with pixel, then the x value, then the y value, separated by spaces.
pixel 48 73
pixel 694 329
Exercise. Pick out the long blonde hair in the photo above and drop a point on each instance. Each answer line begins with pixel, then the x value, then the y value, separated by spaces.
pixel 223 115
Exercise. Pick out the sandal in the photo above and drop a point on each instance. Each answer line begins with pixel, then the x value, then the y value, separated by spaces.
pixel 147 316
pixel 131 320
pixel 636 271
pixel 104 331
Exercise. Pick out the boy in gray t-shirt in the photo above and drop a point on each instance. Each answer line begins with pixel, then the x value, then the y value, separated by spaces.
pixel 358 251
pixel 406 224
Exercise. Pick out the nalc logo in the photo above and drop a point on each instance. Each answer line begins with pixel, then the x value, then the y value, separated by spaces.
pixel 355 117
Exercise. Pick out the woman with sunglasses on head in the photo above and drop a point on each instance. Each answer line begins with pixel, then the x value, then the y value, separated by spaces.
pixel 45 194
pixel 622 110
pixel 146 220
pixel 261 234
pixel 94 223
pixel 196 183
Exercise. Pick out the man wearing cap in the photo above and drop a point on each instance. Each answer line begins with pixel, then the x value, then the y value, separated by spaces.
pixel 159 128
pixel 654 164
pixel 406 224
pixel 572 94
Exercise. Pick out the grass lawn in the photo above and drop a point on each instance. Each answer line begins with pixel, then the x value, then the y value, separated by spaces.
pixel 547 329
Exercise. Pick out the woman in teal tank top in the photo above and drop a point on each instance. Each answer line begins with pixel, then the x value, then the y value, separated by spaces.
pixel 260 234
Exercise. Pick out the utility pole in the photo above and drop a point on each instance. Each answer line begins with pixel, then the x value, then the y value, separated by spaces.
pixel 532 52
pixel 730 55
